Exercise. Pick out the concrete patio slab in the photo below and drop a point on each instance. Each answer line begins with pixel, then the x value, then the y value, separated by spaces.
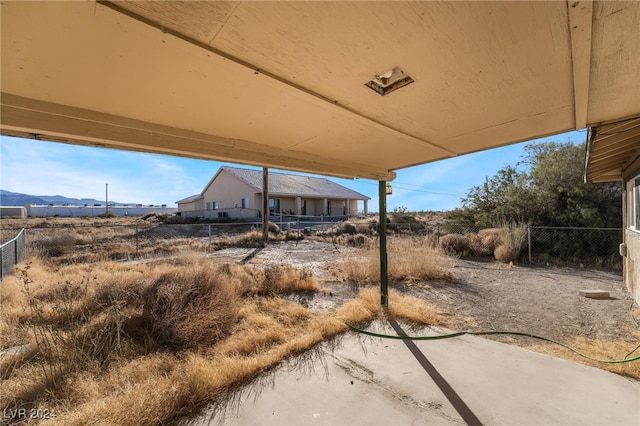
pixel 373 381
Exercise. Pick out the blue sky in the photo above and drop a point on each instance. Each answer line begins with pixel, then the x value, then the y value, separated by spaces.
pixel 46 168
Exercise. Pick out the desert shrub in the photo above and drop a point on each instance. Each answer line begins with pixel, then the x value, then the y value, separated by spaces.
pixel 293 236
pixel 476 246
pixel 512 239
pixel 490 238
pixel 274 228
pixel 455 244
pixel 346 228
pixel 280 279
pixel 192 307
pixel 125 290
pixel 402 215
pixel 356 240
pixel 155 217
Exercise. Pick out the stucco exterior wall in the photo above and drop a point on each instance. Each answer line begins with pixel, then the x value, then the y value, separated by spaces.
pixel 632 263
pixel 315 207
pixel 228 191
pixel 187 207
pixel 287 204
pixel 631 223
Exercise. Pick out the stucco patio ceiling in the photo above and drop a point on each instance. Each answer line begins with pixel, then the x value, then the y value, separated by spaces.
pixel 283 84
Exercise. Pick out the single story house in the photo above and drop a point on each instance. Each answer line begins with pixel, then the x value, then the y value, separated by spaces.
pixel 237 193
pixel 613 155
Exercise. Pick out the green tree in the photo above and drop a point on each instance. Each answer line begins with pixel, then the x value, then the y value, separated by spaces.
pixel 545 188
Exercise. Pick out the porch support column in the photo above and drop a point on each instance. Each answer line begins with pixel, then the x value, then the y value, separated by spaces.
pixel 382 230
pixel 265 204
pixel 325 207
pixel 298 205
pixel 366 207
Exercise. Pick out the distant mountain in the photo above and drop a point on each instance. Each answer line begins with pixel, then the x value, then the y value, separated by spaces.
pixel 8 198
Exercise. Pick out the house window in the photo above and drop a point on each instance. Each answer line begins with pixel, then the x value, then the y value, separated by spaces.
pixel 216 205
pixel 208 205
pixel 245 203
pixel 274 205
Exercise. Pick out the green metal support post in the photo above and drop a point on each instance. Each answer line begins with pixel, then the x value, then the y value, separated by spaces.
pixel 384 278
pixel 265 205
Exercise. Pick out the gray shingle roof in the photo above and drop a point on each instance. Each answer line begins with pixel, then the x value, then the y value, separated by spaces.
pixel 190 199
pixel 286 184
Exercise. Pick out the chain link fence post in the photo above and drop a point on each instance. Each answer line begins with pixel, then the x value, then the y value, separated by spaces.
pixel 529 241
pixel 12 252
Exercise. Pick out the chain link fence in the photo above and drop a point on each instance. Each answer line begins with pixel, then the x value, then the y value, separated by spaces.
pixel 600 246
pixel 13 251
pixel 593 246
pixel 89 243
pixel 572 245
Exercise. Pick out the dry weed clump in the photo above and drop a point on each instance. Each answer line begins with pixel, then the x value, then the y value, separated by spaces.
pixel 354 227
pixel 512 238
pixel 356 240
pixel 489 238
pixel 251 239
pixel 192 307
pixel 456 244
pixel 270 281
pixel 286 279
pixel 410 260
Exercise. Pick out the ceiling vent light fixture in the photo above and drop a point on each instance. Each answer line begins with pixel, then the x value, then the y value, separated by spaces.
pixel 389 81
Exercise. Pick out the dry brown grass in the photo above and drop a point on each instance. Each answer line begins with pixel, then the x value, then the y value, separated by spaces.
pixel 94 334
pixel 410 260
pixel 601 350
pixel 253 238
pixel 409 308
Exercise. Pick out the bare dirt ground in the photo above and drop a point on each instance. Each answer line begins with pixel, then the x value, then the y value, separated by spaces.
pixel 541 300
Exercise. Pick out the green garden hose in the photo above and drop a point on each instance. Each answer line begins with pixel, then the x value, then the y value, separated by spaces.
pixel 485 333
